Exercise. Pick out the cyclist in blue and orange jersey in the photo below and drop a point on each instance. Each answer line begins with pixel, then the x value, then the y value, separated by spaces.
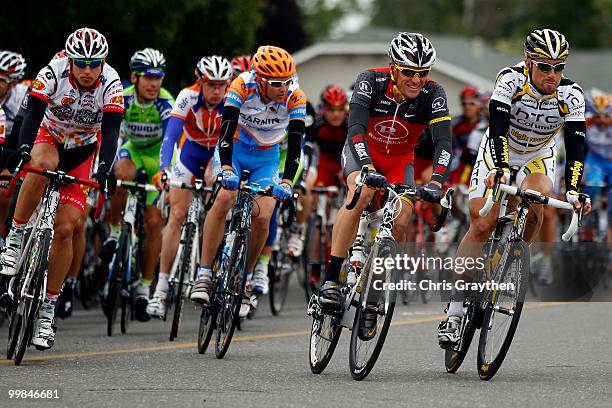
pixel 389 110
pixel 598 166
pixel 75 105
pixel 263 107
pixel 147 114
pixel 240 64
pixel 196 116
pixel 531 103
pixel 12 93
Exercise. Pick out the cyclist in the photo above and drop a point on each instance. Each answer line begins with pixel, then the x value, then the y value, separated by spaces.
pixel 12 93
pixel 262 108
pixel 197 116
pixel 147 113
pixel 599 143
pixel 389 110
pixel 531 103
pixel 240 64
pixel 75 104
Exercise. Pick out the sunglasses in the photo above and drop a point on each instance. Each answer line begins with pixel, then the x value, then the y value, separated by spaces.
pixel 411 72
pixel 332 108
pixel 216 84
pixel 545 67
pixel 278 84
pixel 92 63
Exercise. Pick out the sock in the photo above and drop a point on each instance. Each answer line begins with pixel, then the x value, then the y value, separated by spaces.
pixel 15 235
pixel 47 309
pixel 204 273
pixel 332 273
pixel 115 231
pixel 264 260
pixel 455 309
pixel 145 287
pixel 162 283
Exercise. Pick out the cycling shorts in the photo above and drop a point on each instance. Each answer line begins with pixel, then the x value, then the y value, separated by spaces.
pixel 262 163
pixel 329 169
pixel 191 162
pixel 144 159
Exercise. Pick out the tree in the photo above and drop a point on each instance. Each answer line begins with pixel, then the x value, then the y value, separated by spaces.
pixel 282 25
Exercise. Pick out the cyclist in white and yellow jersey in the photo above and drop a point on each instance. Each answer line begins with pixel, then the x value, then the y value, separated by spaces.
pixel 531 103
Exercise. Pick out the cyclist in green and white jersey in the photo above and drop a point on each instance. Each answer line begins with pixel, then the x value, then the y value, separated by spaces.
pixel 147 111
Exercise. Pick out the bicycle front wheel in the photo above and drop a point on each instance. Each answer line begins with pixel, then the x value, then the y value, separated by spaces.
pixel 280 272
pixel 373 317
pixel 503 308
pixel 232 290
pixel 184 268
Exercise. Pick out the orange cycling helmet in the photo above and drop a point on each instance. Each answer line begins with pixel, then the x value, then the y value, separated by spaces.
pixel 273 62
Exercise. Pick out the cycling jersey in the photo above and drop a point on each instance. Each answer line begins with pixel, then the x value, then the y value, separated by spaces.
pixel 2 125
pixel 535 118
pixel 330 139
pixel 393 128
pixel 599 140
pixel 192 118
pixel 143 125
pixel 74 116
pixel 260 123
pixel 11 103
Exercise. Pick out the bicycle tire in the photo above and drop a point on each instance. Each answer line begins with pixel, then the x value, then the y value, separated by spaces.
pixel 115 284
pixel 16 317
pixel 385 248
pixel 320 358
pixel 208 315
pixel 487 368
pixel 236 279
pixel 126 312
pixel 32 303
pixel 279 280
pixel 185 266
pixel 313 224
pixel 453 358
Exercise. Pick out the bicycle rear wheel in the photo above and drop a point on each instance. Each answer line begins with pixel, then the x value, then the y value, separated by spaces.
pixel 503 309
pixel 279 279
pixel 366 344
pixel 38 266
pixel 324 335
pixel 313 256
pixel 453 358
pixel 115 283
pixel 232 290
pixel 184 268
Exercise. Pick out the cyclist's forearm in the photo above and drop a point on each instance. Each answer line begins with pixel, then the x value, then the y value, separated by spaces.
pixel 172 131
pixel 295 131
pixel 498 129
pixel 31 121
pixel 441 136
pixel 358 124
pixel 574 148
pixel 226 138
pixel 111 121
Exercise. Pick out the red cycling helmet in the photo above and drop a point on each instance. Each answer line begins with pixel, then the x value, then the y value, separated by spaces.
pixel 240 64
pixel 334 95
pixel 469 92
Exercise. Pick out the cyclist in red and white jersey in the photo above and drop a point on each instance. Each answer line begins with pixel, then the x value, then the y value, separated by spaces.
pixel 389 110
pixel 75 104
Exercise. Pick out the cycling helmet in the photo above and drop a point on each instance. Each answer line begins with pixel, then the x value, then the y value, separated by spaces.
pixel 602 104
pixel 12 65
pixel 270 61
pixel 334 95
pixel 546 43
pixel 213 68
pixel 148 62
pixel 241 64
pixel 485 98
pixel 59 55
pixel 86 43
pixel 469 92
pixel 412 50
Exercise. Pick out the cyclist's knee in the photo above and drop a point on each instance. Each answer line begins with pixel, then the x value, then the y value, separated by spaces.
pixel 153 222
pixel 481 228
pixel 224 201
pixel 64 231
pixel 45 161
pixel 178 212
pixel 260 223
pixel 125 169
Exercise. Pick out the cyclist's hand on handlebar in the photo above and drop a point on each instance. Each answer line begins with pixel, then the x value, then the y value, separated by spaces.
pixel 19 158
pixel 490 180
pixel 282 191
pixel 572 197
pixel 229 180
pixel 431 192
pixel 106 179
pixel 375 180
pixel 161 179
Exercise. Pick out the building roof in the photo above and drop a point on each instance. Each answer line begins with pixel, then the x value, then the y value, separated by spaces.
pixel 469 60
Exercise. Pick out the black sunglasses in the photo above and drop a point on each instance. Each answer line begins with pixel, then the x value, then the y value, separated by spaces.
pixel 545 67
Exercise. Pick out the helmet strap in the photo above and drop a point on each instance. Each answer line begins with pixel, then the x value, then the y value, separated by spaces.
pixel 397 94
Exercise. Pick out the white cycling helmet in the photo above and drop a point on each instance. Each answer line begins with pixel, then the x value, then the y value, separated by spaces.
pixel 86 43
pixel 214 68
pixel 412 50
pixel 12 65
pixel 149 62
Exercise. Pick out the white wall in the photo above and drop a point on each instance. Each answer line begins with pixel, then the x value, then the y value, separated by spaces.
pixel 322 70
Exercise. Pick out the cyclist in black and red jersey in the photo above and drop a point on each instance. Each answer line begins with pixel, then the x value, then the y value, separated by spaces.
pixel 389 110
pixel 330 134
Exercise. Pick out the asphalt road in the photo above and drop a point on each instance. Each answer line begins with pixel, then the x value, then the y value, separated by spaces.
pixel 560 357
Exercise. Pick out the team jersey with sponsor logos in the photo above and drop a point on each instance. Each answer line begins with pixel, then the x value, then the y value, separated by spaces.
pixel 74 115
pixel 536 118
pixel 202 125
pixel 330 139
pixel 143 125
pixel 599 140
pixel 11 103
pixel 394 128
pixel 259 123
